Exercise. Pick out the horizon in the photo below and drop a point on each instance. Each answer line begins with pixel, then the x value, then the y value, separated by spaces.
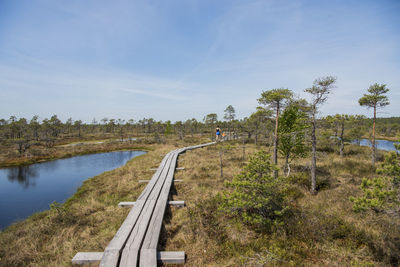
pixel 136 121
pixel 176 61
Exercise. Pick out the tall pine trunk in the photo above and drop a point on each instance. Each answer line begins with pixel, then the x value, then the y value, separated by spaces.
pixel 276 141
pixel 341 140
pixel 220 161
pixel 287 167
pixel 244 147
pixel 373 139
pixel 314 156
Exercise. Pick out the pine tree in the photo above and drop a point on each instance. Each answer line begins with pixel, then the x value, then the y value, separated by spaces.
pixel 375 99
pixel 257 198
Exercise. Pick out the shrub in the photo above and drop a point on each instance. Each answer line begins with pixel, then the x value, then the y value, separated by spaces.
pixel 377 195
pixel 381 193
pixel 391 167
pixel 257 198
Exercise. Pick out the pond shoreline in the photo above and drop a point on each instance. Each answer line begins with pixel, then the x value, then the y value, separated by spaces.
pixel 26 161
pixel 55 181
pixel 386 138
pixel 381 144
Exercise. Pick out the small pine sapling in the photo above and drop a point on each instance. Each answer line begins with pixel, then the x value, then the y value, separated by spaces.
pixel 257 198
pixel 381 194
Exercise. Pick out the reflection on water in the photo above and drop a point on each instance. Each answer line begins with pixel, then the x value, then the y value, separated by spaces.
pixel 380 144
pixel 28 189
pixel 25 175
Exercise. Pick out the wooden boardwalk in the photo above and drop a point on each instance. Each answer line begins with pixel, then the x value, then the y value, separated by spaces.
pixel 135 243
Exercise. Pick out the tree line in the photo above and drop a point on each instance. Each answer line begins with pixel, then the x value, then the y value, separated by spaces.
pixel 282 121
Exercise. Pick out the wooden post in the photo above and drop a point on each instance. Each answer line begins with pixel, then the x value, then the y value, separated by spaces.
pixel 220 159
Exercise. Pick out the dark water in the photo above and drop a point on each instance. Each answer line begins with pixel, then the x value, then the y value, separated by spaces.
pixel 380 144
pixel 29 189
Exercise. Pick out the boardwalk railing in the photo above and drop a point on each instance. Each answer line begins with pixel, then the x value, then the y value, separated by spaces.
pixel 135 243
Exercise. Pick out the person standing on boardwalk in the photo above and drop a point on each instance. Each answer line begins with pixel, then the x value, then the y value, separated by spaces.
pixel 217 133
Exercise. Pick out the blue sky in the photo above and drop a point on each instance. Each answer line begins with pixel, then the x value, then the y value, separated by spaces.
pixel 182 59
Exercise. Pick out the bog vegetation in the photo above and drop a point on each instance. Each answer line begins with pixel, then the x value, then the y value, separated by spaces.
pixel 289 188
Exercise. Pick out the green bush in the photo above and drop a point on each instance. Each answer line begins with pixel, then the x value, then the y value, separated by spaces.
pixel 257 198
pixel 377 195
pixel 381 193
pixel 391 167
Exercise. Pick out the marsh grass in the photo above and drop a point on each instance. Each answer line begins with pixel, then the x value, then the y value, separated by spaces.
pixel 85 222
pixel 68 147
pixel 322 230
pixel 38 153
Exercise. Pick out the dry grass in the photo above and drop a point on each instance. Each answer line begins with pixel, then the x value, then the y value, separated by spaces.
pixel 86 222
pixel 323 230
pixel 202 181
pixel 68 147
pixel 38 153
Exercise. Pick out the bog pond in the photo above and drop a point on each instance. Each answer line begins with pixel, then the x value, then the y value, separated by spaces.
pixel 28 189
pixel 380 144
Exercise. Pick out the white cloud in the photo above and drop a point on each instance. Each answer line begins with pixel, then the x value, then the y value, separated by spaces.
pixel 155 94
pixel 103 58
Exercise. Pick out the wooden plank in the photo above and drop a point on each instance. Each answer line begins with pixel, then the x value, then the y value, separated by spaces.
pixel 157 174
pixel 170 165
pixel 125 246
pixel 148 254
pixel 179 169
pixel 130 253
pixel 82 258
pixel 113 250
pixel 177 180
pixel 145 193
pixel 171 257
pixel 144 181
pixel 165 257
pixel 177 203
pixel 126 203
